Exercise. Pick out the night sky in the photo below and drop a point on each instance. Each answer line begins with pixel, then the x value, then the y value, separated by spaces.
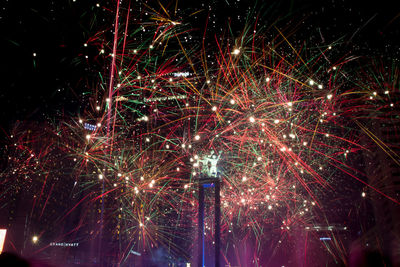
pixel 44 68
pixel 295 120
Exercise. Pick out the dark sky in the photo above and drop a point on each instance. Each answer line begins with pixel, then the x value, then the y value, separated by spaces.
pixel 42 41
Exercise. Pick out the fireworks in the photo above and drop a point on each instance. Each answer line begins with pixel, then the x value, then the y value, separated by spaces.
pixel 283 119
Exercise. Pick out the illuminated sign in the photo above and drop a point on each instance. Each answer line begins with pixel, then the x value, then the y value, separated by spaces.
pixel 181 74
pixel 121 98
pixel 324 238
pixel 154 99
pixel 63 244
pixel 89 126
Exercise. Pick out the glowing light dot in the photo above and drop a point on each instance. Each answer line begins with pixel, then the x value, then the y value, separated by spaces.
pixel 244 179
pixel 320 86
pixel 98 124
pixel 386 92
pixel 80 121
pixel 197 137
pixel 134 51
pixel 290 104
pixel 363 194
pixel 311 82
pixel 374 93
pixel 139 77
pixel 35 239
pixel 329 96
pixel 85 45
pixel 100 176
pixel 267 79
pixel 236 51
pixel 252 119
pixel 269 207
pixel 208 81
pixel 107 100
pixel 276 121
pixel 151 46
pixel 98 5
pixel 97 108
pixel 214 108
pixel 119 174
pixel 34 54
pixel 232 101
pixel 88 136
pixel 391 105
pixel 304 143
pixel 330 47
pixel 170 79
pixel 119 85
pixel 334 68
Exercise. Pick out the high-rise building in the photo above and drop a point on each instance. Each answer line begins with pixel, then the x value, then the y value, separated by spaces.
pixel 382 167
